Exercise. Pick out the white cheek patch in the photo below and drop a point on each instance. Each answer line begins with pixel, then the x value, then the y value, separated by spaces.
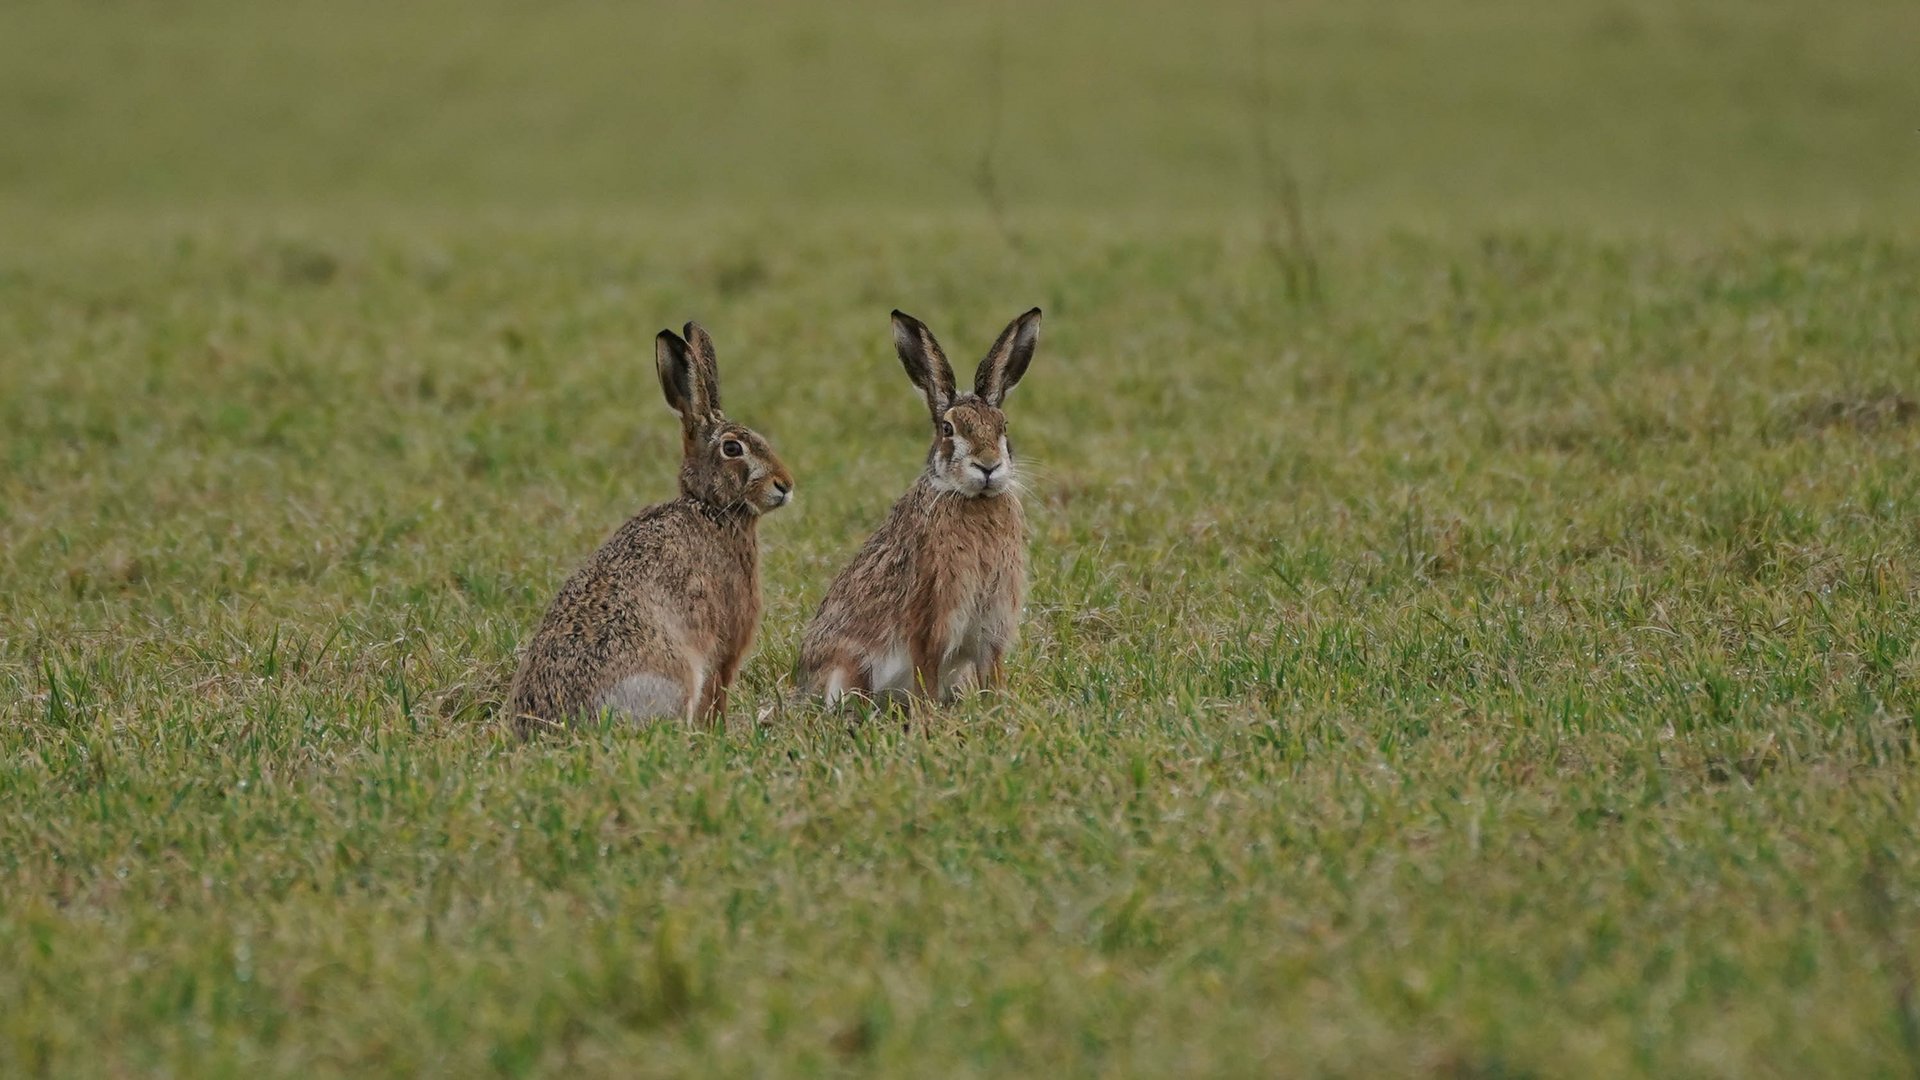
pixel 950 463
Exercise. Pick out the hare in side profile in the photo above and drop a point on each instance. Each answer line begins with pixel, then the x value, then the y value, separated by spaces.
pixel 931 604
pixel 657 621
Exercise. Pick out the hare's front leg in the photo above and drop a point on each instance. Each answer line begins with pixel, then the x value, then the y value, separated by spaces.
pixel 962 679
pixel 980 669
pixel 994 675
pixel 994 638
pixel 928 647
pixel 987 672
pixel 713 709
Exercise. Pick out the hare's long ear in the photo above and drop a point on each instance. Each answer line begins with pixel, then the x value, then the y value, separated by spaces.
pixel 926 365
pixel 678 381
pixel 706 368
pixel 1008 359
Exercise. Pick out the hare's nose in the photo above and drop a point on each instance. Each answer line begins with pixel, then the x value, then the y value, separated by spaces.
pixel 986 471
pixel 784 487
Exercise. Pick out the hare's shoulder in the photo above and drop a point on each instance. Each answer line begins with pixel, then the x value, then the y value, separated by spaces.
pixel 900 532
pixel 656 523
pixel 664 537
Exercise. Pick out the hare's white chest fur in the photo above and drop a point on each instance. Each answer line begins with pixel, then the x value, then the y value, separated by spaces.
pixel 979 629
pixel 974 635
pixel 974 589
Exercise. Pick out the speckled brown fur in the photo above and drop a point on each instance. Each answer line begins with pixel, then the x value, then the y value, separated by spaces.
pixel 931 603
pixel 673 597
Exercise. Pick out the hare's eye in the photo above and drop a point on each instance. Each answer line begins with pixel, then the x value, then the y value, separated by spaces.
pixel 946 430
pixel 732 448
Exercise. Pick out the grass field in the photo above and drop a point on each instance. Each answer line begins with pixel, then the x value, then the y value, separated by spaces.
pixel 1501 660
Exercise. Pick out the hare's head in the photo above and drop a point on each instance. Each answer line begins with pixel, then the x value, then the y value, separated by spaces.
pixel 970 454
pixel 725 465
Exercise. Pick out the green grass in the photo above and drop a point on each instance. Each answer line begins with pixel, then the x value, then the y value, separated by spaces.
pixel 1507 665
pixel 1597 112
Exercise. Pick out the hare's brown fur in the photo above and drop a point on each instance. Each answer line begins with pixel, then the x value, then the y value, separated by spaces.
pixel 657 621
pixel 931 603
pixel 674 593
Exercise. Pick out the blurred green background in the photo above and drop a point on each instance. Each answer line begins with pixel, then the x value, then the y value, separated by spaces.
pixel 1615 114
pixel 1474 448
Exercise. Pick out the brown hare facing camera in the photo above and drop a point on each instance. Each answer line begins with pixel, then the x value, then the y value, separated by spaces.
pixel 657 621
pixel 931 603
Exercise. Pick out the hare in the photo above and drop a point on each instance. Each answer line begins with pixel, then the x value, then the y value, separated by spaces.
pixel 657 621
pixel 931 604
